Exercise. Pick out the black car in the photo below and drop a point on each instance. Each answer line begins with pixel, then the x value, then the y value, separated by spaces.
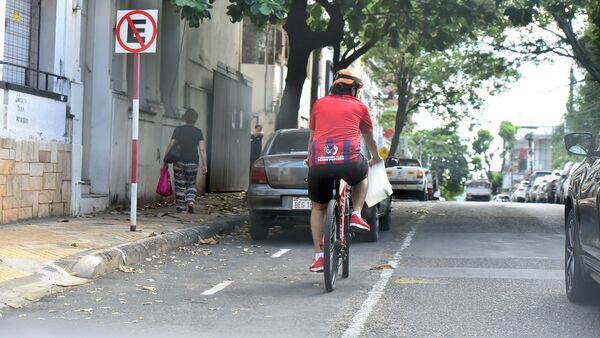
pixel 582 219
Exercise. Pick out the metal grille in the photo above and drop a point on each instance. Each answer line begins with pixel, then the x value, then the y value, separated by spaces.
pixel 21 44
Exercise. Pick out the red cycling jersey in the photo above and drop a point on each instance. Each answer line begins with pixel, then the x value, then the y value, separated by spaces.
pixel 337 121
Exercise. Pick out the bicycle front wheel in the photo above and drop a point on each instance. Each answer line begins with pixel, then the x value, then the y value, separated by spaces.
pixel 330 245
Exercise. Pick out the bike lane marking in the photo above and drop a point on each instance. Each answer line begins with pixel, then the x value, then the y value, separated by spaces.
pixel 360 317
pixel 217 288
pixel 280 253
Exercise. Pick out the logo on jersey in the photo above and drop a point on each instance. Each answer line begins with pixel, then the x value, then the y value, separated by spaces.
pixel 331 149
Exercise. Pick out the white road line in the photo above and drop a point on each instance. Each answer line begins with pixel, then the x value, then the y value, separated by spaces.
pixel 280 253
pixel 217 288
pixel 360 317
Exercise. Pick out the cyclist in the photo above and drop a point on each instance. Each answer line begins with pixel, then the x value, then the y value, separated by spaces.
pixel 336 122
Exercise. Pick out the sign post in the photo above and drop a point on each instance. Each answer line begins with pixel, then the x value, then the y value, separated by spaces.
pixel 135 33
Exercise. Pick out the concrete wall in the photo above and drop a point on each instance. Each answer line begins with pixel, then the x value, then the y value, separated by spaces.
pixel 35 179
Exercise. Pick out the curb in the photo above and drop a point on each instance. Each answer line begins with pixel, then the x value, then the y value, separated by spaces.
pixel 104 261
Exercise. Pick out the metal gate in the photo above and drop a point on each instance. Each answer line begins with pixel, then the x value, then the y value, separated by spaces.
pixel 230 133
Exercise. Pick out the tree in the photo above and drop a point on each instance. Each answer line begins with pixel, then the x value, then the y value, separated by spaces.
pixel 507 132
pixel 567 41
pixel 481 147
pixel 446 83
pixel 448 160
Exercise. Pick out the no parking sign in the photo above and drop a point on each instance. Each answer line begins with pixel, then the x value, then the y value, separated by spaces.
pixel 136 31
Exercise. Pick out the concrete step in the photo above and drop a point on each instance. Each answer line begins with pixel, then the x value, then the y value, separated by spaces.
pixel 90 203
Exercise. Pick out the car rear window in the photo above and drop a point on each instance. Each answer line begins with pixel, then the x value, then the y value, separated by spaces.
pixel 479 184
pixel 408 162
pixel 285 143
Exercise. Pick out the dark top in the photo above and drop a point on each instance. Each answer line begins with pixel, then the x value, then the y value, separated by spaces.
pixel 187 137
pixel 255 146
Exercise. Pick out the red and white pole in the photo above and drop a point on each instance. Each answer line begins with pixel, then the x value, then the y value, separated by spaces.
pixel 134 140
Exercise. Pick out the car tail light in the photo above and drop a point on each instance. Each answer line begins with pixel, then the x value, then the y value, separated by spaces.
pixel 420 173
pixel 258 174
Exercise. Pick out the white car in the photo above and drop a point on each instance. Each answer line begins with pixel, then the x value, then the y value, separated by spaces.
pixel 407 177
pixel 520 193
pixel 478 190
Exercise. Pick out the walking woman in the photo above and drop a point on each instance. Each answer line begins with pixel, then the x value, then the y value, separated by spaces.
pixel 190 140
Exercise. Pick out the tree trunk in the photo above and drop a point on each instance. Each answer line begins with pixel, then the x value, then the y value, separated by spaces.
pixel 287 116
pixel 401 117
pixel 302 42
pixel 404 87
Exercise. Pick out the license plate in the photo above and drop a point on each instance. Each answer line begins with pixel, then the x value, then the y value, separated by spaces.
pixel 411 173
pixel 301 203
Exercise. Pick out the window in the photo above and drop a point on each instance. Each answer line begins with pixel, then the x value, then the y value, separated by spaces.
pixel 287 143
pixel 21 43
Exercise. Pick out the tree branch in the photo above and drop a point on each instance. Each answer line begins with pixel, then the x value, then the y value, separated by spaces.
pixel 580 53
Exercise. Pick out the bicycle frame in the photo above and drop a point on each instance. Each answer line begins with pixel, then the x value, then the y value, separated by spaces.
pixel 341 194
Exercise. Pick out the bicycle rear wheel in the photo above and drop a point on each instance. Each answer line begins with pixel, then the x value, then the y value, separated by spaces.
pixel 330 246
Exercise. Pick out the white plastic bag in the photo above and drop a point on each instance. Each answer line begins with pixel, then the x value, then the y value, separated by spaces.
pixel 379 185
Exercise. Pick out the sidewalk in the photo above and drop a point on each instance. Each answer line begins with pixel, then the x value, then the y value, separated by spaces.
pixel 40 256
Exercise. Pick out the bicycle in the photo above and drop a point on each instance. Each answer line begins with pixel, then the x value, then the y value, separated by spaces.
pixel 337 236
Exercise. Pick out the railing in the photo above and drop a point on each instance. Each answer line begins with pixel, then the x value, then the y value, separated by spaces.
pixel 33 78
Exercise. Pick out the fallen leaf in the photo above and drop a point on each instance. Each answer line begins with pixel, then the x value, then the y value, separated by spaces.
pixel 84 310
pixel 148 303
pixel 382 267
pixel 208 241
pixel 149 288
pixel 129 269
pixel 153 234
pixel 74 245
pixel 212 309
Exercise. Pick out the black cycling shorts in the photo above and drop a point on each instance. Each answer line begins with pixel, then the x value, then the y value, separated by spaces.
pixel 321 178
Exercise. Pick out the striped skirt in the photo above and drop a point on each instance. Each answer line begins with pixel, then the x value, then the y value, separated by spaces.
pixel 185 184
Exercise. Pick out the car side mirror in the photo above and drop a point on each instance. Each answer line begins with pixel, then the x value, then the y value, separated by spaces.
pixel 579 144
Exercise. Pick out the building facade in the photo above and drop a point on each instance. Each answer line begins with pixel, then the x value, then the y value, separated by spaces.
pixel 66 127
pixel 40 83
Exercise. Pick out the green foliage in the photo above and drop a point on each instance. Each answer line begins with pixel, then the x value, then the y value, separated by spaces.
pixel 448 159
pixel 386 120
pixel 481 147
pixel 581 45
pixel 496 180
pixel 559 152
pixel 194 11
pixel 507 132
pixel 260 12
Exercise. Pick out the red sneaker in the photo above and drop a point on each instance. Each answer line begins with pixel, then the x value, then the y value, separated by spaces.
pixel 359 223
pixel 317 265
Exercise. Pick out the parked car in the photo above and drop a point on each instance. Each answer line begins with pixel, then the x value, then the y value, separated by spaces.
pixel 582 216
pixel 520 192
pixel 534 189
pixel 278 189
pixel 563 185
pixel 407 177
pixel 501 198
pixel 532 178
pixel 548 190
pixel 478 190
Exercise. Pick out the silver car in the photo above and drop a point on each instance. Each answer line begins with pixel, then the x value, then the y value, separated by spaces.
pixel 278 189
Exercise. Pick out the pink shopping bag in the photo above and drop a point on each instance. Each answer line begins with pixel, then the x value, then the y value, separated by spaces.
pixel 164 187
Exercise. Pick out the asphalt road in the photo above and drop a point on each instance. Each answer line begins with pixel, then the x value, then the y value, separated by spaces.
pixel 459 270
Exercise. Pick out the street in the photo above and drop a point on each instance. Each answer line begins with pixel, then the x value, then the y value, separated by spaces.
pixel 457 269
